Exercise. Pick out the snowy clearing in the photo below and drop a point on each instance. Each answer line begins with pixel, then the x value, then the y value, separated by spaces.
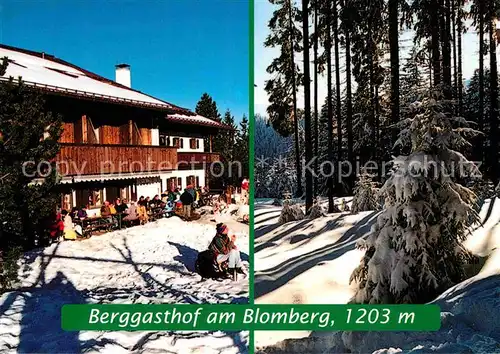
pixel 153 263
pixel 310 262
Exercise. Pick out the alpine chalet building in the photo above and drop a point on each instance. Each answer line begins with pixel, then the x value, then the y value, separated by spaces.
pixel 116 141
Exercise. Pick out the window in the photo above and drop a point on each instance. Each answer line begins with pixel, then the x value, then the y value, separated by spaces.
pixel 197 181
pixel 182 143
pixel 197 143
pixel 192 143
pixel 171 183
pixel 179 182
pixel 163 140
pixel 89 198
pixel 67 201
pixel 177 143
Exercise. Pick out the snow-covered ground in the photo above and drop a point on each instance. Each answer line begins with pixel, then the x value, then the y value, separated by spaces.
pixel 153 263
pixel 310 262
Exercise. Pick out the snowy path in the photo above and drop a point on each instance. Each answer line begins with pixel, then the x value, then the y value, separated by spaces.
pixel 311 261
pixel 145 264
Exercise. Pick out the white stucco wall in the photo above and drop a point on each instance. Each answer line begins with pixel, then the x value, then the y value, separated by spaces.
pixel 148 190
pixel 185 144
pixel 155 137
pixel 183 175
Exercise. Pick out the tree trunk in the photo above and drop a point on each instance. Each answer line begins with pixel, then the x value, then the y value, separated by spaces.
pixel 394 52
pixel 307 104
pixel 445 41
pixel 459 49
pixel 350 140
pixel 328 49
pixel 435 47
pixel 454 44
pixel 493 97
pixel 480 125
pixel 294 93
pixel 338 103
pixel 316 117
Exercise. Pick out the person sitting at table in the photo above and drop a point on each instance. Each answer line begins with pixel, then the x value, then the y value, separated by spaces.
pixel 112 209
pixel 147 202
pixel 82 213
pixel 131 212
pixel 73 213
pixel 142 213
pixel 156 202
pixel 69 227
pixel 106 211
pixel 119 206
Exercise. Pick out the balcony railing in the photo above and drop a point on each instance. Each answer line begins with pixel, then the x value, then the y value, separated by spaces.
pixel 90 159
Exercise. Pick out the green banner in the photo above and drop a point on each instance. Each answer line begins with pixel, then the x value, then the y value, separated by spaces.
pixel 140 317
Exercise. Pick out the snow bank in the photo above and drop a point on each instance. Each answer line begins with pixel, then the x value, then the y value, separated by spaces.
pixel 153 263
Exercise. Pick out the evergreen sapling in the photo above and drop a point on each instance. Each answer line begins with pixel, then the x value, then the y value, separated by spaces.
pixel 414 250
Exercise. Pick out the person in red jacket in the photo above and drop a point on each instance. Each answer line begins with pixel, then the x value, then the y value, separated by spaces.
pixel 56 229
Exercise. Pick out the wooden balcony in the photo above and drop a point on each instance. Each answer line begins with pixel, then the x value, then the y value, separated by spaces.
pixel 197 157
pixel 93 159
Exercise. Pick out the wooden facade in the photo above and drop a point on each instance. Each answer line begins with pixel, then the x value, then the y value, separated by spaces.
pixel 89 159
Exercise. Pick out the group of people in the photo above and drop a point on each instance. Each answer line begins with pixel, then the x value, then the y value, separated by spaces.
pixel 68 224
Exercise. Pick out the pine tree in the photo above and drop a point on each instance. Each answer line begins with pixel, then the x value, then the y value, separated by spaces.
pixel 365 194
pixel 290 212
pixel 207 107
pixel 224 143
pixel 414 250
pixel 307 104
pixel 282 87
pixel 241 149
pixel 317 210
pixel 28 176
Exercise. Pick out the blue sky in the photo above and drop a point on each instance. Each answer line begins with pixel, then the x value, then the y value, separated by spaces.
pixel 177 49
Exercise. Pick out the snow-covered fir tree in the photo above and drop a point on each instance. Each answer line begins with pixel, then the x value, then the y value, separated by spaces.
pixel 414 250
pixel 317 210
pixel 290 212
pixel 365 194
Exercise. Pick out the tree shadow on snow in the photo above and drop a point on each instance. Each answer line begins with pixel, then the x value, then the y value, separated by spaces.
pixel 187 255
pixel 275 277
pixel 41 330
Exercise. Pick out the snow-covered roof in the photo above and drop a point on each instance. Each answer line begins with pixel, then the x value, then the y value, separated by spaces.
pixel 193 119
pixel 52 74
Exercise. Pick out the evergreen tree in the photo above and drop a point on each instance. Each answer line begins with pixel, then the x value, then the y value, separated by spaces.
pixel 282 88
pixel 241 150
pixel 414 250
pixel 225 144
pixel 207 107
pixel 28 176
pixel 365 194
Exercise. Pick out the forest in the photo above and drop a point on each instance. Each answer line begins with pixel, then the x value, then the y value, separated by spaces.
pixel 387 65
